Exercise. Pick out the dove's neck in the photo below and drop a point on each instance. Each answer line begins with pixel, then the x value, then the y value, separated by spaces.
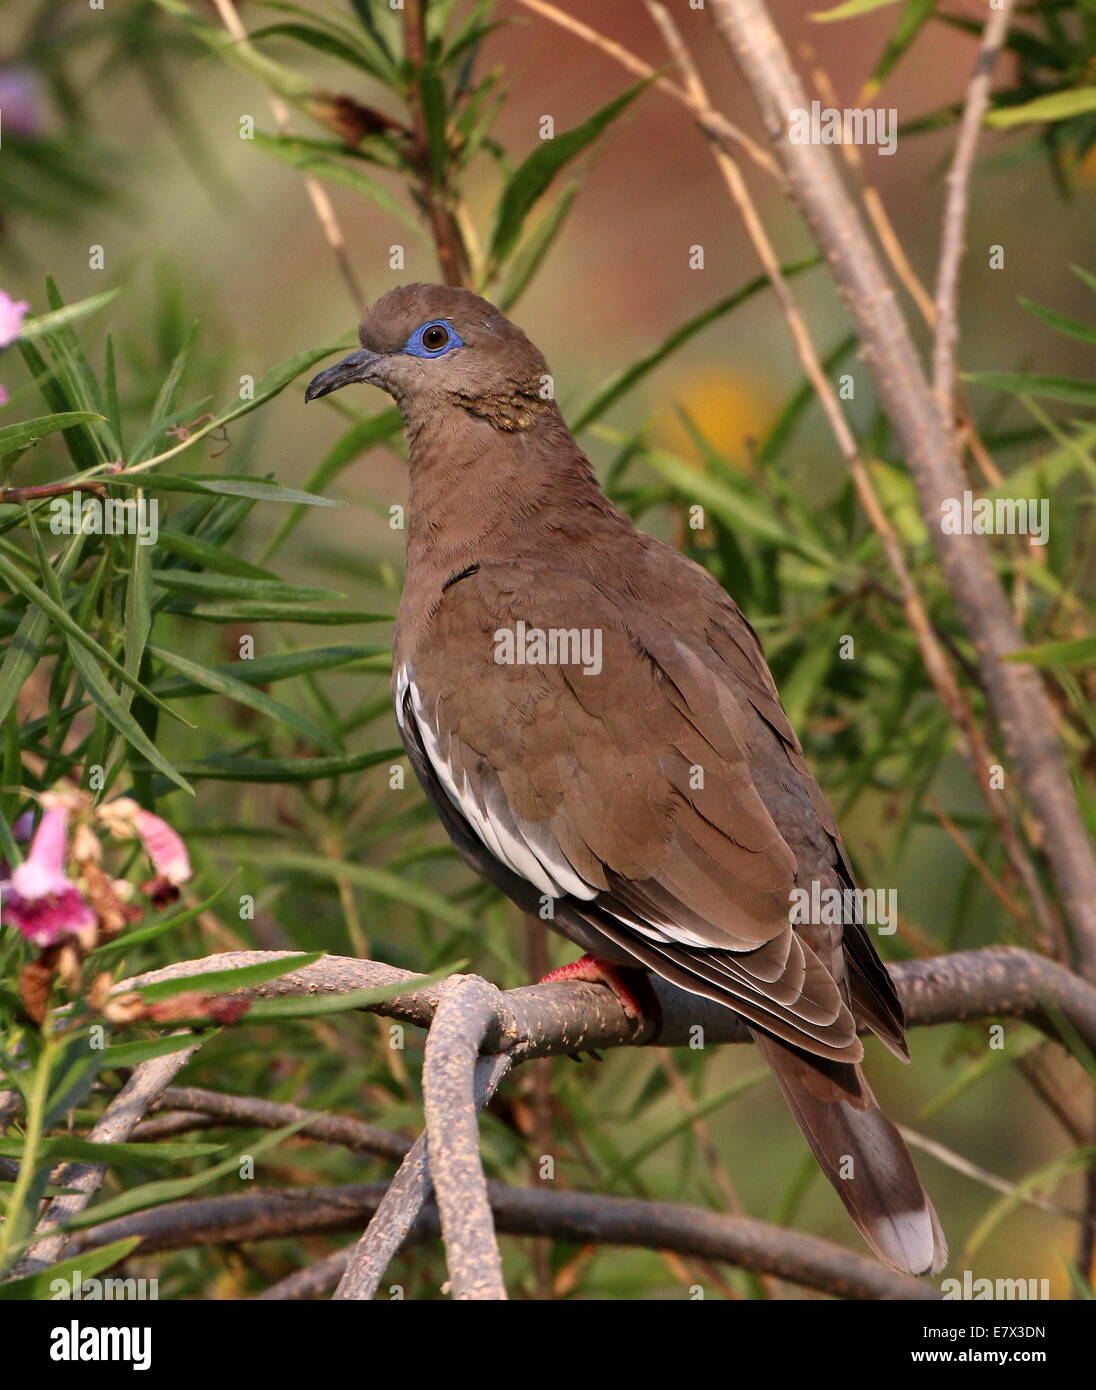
pixel 479 493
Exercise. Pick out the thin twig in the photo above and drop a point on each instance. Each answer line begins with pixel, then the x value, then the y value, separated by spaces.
pixel 982 1175
pixel 715 125
pixel 219 1108
pixel 953 229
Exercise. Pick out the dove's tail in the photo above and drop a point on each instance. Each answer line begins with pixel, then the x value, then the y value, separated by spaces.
pixel 862 1154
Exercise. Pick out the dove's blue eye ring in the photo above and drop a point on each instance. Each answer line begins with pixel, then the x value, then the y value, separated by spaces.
pixel 433 339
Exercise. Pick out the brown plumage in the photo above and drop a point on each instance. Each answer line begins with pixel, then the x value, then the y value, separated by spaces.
pixel 661 804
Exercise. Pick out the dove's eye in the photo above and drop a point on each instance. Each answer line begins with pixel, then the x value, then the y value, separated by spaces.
pixel 432 340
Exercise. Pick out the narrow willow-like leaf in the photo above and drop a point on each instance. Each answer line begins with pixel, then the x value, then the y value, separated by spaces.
pixel 28 432
pixel 240 586
pixel 219 683
pixel 207 555
pixel 623 381
pixel 1055 388
pixel 226 981
pixel 534 176
pixel 41 325
pixel 299 154
pixel 358 440
pixel 239 610
pixel 264 670
pixel 375 880
pixel 228 767
pixel 39 1287
pixel 54 609
pixel 1073 328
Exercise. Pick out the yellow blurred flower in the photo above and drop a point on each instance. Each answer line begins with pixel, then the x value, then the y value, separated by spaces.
pixel 726 407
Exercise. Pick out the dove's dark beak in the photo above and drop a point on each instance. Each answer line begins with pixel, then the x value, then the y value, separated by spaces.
pixel 356 367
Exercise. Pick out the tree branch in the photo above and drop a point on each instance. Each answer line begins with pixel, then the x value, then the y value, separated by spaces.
pixel 466 1012
pixel 467 1016
pixel 551 1020
pixel 404 1201
pixel 571 1216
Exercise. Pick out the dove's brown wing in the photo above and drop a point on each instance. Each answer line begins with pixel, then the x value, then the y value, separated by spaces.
pixel 662 803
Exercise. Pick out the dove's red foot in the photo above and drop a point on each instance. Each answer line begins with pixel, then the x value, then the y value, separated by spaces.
pixel 632 987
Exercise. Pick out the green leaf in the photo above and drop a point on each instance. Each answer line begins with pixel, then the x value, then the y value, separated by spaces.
pixel 132 1054
pixel 531 256
pixel 241 54
pixel 38 1287
pixel 434 110
pixel 534 176
pixel 327 41
pixel 228 767
pixel 239 586
pixel 75 374
pixel 851 9
pixel 1057 106
pixel 1055 388
pixel 81 444
pixel 53 607
pixel 233 610
pixel 623 381
pixel 1085 275
pixel 910 23
pixel 29 432
pixel 370 44
pixel 357 441
pixel 227 981
pixel 263 670
pixel 1074 328
pixel 41 325
pixel 70 1146
pixel 131 939
pixel 221 684
pixel 317 1004
pixel 380 881
pixel 1081 652
pixel 736 509
pixel 165 403
pixel 113 708
pixel 207 555
pixel 26 642
pixel 303 155
pixel 266 388
pixel 138 610
pixel 227 487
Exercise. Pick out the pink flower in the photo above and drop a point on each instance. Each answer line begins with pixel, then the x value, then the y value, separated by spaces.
pixel 38 899
pixel 164 847
pixel 3 396
pixel 20 101
pixel 12 314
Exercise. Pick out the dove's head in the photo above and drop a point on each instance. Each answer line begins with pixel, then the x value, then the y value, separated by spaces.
pixel 432 347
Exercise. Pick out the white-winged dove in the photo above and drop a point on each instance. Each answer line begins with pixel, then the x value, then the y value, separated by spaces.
pixel 593 719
